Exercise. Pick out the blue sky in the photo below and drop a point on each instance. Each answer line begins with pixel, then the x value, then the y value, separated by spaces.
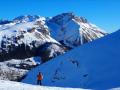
pixel 103 13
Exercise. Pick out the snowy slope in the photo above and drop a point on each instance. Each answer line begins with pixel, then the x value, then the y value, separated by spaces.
pixel 73 30
pixel 94 65
pixel 8 85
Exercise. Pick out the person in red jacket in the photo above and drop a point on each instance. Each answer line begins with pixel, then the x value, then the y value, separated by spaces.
pixel 39 78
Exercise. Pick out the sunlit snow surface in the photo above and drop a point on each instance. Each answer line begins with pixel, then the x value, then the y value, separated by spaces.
pixel 8 85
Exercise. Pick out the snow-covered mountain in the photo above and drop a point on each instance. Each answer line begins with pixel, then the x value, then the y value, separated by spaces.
pixel 94 65
pixel 27 33
pixel 28 37
pixel 72 30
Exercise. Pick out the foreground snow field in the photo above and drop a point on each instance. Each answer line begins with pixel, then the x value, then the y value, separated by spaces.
pixel 9 85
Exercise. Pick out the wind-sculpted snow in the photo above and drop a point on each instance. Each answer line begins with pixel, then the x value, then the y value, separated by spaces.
pixel 94 65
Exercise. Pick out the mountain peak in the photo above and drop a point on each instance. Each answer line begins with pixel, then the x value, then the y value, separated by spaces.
pixel 73 16
pixel 65 17
pixel 73 30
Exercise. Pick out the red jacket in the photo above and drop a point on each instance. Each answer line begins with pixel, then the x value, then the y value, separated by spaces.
pixel 39 76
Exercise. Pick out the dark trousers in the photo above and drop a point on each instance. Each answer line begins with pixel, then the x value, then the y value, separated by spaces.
pixel 39 82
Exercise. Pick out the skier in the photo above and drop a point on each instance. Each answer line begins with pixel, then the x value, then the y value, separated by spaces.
pixel 39 78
